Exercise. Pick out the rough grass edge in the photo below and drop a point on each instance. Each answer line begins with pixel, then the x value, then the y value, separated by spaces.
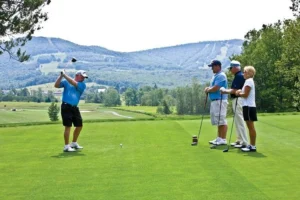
pixel 183 117
pixel 166 117
pixel 135 111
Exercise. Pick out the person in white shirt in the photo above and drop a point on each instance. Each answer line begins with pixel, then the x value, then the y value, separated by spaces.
pixel 249 106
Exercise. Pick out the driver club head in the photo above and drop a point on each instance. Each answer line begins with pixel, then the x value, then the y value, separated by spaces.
pixel 225 150
pixel 73 60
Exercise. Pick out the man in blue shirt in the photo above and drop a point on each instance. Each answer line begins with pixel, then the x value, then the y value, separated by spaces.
pixel 218 106
pixel 237 104
pixel 73 89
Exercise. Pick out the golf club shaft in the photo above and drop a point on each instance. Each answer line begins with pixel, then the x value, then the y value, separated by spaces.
pixel 202 117
pixel 232 123
pixel 73 60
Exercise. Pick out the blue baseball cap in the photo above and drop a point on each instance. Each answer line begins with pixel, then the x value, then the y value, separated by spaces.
pixel 215 62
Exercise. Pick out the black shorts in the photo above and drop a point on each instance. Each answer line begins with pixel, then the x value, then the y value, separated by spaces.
pixel 249 113
pixel 70 115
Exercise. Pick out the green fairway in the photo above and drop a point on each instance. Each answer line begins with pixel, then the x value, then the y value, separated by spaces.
pixel 28 112
pixel 146 109
pixel 155 162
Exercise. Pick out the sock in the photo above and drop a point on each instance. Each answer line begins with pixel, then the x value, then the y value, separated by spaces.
pixel 66 146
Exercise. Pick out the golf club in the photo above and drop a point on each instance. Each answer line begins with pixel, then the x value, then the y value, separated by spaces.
pixel 73 60
pixel 195 138
pixel 215 145
pixel 226 150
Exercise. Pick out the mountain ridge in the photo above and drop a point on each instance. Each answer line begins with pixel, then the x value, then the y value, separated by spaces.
pixel 166 66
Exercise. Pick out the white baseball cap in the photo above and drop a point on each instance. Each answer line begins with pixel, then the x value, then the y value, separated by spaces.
pixel 235 63
pixel 82 73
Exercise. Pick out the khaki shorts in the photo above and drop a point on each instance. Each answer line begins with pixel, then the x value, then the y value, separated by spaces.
pixel 217 117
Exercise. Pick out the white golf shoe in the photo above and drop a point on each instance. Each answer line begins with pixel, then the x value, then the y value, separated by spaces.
pixel 68 149
pixel 213 141
pixel 75 145
pixel 235 143
pixel 222 142
pixel 249 148
pixel 219 141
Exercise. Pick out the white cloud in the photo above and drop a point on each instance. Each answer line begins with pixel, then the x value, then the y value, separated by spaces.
pixel 143 24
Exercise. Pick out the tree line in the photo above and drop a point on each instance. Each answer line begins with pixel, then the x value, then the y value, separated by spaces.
pixel 24 95
pixel 182 100
pixel 274 52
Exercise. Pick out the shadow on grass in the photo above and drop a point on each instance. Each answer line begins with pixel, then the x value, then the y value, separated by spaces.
pixel 253 154
pixel 221 147
pixel 237 150
pixel 68 154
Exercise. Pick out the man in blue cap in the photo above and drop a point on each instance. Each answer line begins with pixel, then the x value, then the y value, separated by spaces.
pixel 237 84
pixel 218 106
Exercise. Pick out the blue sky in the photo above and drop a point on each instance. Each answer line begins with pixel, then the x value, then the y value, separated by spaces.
pixel 131 25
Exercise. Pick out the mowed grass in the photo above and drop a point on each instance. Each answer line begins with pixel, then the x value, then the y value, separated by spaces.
pixel 145 109
pixel 28 112
pixel 155 162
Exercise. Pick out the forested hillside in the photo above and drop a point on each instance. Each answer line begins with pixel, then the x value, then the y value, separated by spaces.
pixel 167 67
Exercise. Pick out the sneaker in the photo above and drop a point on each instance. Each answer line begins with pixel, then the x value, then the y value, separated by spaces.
pixel 235 143
pixel 69 149
pixel 220 141
pixel 249 148
pixel 240 146
pixel 213 141
pixel 75 145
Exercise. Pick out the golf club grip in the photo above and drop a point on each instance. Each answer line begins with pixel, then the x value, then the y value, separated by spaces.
pixel 205 101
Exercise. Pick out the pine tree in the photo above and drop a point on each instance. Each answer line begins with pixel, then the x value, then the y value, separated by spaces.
pixel 166 108
pixel 53 111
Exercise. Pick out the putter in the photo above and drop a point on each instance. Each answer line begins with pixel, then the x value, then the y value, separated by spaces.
pixel 215 145
pixel 195 138
pixel 227 149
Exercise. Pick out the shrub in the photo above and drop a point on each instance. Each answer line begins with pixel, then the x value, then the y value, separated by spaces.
pixel 53 111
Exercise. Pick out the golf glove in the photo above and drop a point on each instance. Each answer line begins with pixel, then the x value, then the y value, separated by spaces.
pixel 222 89
pixel 63 72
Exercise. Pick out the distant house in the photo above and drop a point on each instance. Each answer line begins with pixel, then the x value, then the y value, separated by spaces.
pixel 57 93
pixel 5 92
pixel 101 90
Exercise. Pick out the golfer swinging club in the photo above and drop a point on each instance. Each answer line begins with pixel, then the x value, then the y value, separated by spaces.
pixel 73 89
pixel 218 106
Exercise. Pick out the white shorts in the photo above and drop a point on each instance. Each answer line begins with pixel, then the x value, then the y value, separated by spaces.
pixel 217 117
